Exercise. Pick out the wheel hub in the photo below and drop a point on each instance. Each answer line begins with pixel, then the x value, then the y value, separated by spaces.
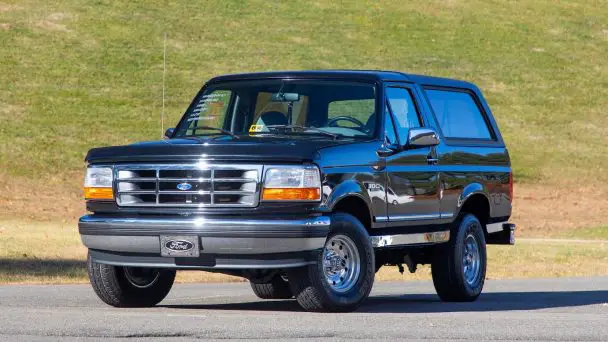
pixel 341 263
pixel 471 260
pixel 141 277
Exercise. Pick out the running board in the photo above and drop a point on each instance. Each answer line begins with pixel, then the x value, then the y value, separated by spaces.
pixel 380 241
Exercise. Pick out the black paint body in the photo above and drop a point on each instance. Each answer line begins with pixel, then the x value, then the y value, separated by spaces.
pixel 403 192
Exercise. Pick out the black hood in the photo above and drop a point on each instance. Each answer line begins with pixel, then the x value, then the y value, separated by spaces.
pixel 246 148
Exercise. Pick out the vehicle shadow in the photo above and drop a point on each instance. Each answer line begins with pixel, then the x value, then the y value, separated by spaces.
pixel 493 301
pixel 430 303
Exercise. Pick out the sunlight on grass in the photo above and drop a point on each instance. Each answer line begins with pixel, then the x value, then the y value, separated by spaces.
pixel 596 233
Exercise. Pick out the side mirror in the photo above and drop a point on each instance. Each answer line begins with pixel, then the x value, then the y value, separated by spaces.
pixel 422 137
pixel 169 133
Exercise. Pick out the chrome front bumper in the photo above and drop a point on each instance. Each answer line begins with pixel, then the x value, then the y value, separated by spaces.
pixel 224 242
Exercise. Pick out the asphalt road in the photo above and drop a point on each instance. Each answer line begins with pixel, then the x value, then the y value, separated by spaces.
pixel 545 309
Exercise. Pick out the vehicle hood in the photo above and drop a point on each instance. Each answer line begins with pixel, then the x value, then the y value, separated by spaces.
pixel 247 148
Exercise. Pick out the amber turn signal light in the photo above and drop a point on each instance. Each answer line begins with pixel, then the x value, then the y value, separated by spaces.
pixel 291 194
pixel 98 193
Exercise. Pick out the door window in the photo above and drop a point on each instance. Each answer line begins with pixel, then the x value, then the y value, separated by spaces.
pixel 404 111
pixel 389 127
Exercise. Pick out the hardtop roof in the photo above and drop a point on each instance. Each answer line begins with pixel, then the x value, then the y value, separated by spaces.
pixel 368 75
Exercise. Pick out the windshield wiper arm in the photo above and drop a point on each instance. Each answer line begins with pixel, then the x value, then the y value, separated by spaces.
pixel 224 131
pixel 304 128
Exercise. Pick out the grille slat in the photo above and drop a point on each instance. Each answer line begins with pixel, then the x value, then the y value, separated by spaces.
pixel 235 186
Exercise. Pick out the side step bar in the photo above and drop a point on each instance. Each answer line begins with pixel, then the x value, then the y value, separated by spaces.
pixel 501 233
pixel 379 241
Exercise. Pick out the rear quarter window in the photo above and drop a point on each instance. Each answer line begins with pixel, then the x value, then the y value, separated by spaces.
pixel 458 115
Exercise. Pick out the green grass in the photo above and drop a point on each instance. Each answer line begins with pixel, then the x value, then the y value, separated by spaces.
pixel 595 233
pixel 79 74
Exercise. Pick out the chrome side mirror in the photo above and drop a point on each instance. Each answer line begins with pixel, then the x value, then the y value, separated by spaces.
pixel 169 133
pixel 422 137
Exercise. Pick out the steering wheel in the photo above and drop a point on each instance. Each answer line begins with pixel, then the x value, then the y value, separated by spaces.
pixel 362 127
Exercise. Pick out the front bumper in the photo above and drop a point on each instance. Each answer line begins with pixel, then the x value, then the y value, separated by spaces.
pixel 225 243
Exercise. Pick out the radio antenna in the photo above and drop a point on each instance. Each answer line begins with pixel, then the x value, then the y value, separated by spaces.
pixel 162 113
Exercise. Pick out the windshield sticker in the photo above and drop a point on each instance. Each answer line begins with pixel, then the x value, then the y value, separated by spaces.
pixel 209 107
pixel 256 128
pixel 204 118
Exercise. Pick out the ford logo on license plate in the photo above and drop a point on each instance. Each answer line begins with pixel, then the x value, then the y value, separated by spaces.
pixel 179 245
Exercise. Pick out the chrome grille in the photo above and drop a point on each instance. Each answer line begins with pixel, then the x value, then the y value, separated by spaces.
pixel 194 185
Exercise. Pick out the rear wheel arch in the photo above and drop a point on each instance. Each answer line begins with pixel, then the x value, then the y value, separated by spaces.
pixel 477 204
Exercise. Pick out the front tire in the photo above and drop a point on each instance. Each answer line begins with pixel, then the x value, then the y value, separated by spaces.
pixel 129 286
pixel 343 275
pixel 277 288
pixel 459 266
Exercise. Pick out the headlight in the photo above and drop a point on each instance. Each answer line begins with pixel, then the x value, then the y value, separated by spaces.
pixel 292 183
pixel 98 183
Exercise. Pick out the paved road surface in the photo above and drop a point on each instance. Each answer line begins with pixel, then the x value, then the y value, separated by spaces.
pixel 545 309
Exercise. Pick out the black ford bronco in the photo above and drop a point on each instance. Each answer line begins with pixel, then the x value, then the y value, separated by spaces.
pixel 306 183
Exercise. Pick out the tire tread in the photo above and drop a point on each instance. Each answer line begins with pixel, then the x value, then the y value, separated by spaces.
pixel 447 281
pixel 277 288
pixel 114 290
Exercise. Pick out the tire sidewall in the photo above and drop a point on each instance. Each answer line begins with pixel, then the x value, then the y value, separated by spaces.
pixel 345 224
pixel 469 224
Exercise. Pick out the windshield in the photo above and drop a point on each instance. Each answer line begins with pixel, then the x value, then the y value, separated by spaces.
pixel 328 109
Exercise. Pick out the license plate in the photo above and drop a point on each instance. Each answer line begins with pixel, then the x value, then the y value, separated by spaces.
pixel 179 246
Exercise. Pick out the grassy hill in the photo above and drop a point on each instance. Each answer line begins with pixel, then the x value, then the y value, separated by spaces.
pixel 79 74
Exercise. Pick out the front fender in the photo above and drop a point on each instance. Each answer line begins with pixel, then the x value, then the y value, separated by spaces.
pixel 343 190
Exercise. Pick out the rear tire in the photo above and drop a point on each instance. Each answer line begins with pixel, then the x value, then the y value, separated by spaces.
pixel 129 286
pixel 459 266
pixel 343 275
pixel 277 288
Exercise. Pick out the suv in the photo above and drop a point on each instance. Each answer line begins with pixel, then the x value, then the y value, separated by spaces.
pixel 305 183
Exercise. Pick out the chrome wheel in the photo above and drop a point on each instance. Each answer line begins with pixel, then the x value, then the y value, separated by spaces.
pixel 471 260
pixel 341 263
pixel 141 277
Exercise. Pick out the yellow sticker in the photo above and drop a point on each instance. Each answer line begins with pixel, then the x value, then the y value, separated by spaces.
pixel 256 128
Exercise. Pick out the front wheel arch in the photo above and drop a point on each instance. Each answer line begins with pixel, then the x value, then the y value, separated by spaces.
pixel 357 207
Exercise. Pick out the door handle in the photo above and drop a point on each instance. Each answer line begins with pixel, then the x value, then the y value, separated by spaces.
pixel 431 160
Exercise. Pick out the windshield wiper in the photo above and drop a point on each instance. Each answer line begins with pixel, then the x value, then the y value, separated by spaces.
pixel 221 130
pixel 293 128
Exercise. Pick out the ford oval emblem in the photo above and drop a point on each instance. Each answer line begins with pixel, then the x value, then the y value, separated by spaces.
pixel 179 245
pixel 184 186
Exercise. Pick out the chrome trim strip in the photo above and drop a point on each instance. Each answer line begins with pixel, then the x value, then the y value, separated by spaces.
pixel 201 221
pixel 208 227
pixel 208 245
pixel 446 215
pixel 398 218
pixel 120 243
pixel 200 180
pixel 381 218
pixel 187 192
pixel 410 239
pixel 414 217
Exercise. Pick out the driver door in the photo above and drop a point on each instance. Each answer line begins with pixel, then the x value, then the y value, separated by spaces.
pixel 412 186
